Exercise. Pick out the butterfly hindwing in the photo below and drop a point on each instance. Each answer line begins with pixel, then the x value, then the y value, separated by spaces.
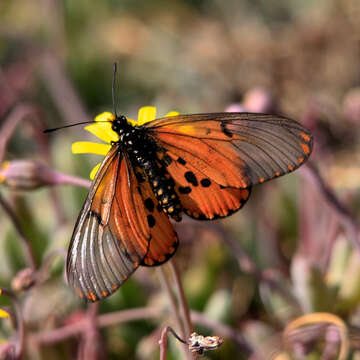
pixel 201 197
pixel 163 239
pixel 235 149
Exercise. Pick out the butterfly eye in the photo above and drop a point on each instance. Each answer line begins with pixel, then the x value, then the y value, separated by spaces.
pixel 117 124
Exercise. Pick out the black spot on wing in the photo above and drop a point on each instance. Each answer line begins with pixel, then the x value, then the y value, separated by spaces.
pixel 149 204
pixel 151 221
pixel 225 130
pixel 184 189
pixel 167 160
pixel 205 182
pixel 191 178
pixel 181 161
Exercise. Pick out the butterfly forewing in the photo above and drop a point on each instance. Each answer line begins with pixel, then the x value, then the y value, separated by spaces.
pixel 110 239
pixel 223 165
pixel 252 147
pixel 119 228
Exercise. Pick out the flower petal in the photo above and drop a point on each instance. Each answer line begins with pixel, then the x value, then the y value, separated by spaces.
pixel 146 114
pixel 132 121
pixel 84 147
pixel 4 314
pixel 94 171
pixel 172 113
pixel 3 168
pixel 103 131
pixel 105 116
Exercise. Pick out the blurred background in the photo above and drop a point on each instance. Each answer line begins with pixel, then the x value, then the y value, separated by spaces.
pixel 293 249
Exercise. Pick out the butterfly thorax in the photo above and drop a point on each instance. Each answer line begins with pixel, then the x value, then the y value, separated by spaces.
pixel 142 152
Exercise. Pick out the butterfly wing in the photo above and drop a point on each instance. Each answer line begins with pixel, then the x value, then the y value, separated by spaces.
pixel 163 240
pixel 110 238
pixel 116 231
pixel 201 197
pixel 228 152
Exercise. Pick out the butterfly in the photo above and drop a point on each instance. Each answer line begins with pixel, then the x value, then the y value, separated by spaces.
pixel 201 165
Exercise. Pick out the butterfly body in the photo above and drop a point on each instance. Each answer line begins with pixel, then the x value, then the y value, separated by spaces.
pixel 203 165
pixel 142 152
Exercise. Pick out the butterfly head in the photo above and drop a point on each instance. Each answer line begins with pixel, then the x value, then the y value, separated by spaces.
pixel 119 124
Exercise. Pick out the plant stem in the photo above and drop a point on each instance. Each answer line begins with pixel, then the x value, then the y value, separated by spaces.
pixel 163 341
pixel 311 174
pixel 174 306
pixel 184 307
pixel 29 254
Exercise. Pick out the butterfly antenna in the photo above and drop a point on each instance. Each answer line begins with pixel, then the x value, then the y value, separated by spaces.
pixel 66 126
pixel 113 89
pixel 88 122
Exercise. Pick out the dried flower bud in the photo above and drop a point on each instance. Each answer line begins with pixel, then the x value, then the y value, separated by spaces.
pixel 23 280
pixel 259 100
pixel 200 344
pixel 30 175
pixel 24 174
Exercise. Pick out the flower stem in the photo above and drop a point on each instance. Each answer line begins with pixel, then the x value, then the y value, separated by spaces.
pixel 174 307
pixel 184 307
pixel 163 340
pixel 66 179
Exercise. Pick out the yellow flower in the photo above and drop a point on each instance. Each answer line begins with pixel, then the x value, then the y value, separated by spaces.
pixel 3 313
pixel 102 129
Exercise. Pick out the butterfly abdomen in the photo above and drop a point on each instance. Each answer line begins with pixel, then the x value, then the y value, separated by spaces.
pixel 142 154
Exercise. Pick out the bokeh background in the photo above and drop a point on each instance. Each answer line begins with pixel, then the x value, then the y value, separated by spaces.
pixel 294 248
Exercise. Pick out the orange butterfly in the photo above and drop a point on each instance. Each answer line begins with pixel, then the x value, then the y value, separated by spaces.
pixel 203 165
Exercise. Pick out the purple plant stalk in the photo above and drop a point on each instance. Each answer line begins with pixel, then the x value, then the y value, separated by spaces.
pixel 18 114
pixel 91 345
pixel 48 337
pixel 312 175
pixel 184 307
pixel 65 179
pixel 61 89
pixel 174 307
pixel 163 340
